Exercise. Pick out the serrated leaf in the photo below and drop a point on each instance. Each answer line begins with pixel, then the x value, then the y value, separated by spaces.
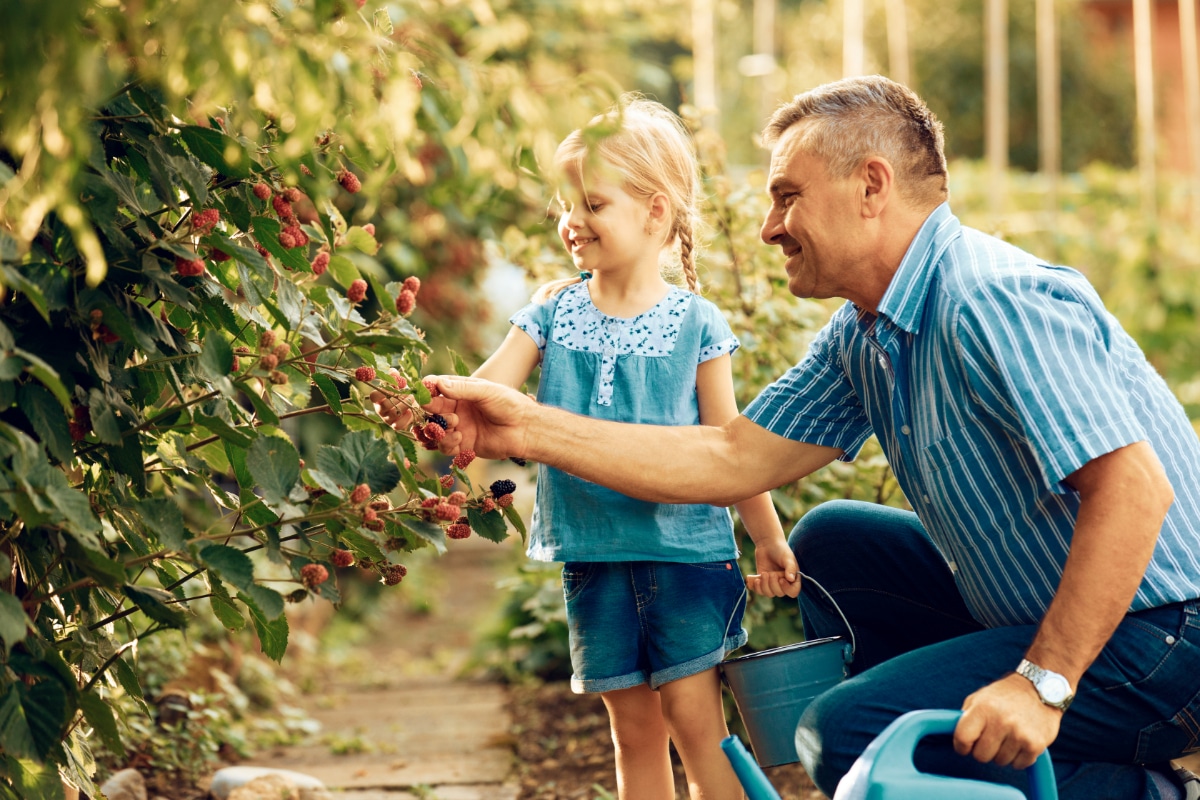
pixel 230 563
pixel 343 270
pixel 427 531
pixel 14 622
pixel 490 525
pixel 164 519
pixel 329 391
pixel 361 546
pixel 228 614
pixel 47 419
pixel 274 465
pixel 515 520
pixel 460 366
pixel 383 22
pixel 47 376
pixel 128 679
pixel 216 357
pixel 223 153
pixel 153 603
pixel 15 736
pixel 222 429
pixel 47 709
pixel 358 238
pixel 16 280
pixel 266 233
pixel 35 780
pixel 272 634
pixel 100 716
pixel 267 602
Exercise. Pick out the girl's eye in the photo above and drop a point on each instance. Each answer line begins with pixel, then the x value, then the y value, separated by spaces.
pixel 595 207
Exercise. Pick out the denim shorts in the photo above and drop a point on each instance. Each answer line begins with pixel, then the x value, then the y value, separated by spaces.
pixel 635 622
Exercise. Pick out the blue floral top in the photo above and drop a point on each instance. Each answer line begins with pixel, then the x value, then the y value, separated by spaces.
pixel 641 370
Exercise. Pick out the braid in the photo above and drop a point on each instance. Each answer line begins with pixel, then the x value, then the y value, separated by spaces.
pixel 548 290
pixel 683 229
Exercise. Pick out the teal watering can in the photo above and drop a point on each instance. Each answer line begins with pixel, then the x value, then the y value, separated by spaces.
pixel 885 770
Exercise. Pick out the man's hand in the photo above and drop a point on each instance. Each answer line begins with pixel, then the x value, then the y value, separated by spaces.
pixel 778 573
pixel 486 417
pixel 1006 723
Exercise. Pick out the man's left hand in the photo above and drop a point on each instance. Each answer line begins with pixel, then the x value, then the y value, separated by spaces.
pixel 1006 723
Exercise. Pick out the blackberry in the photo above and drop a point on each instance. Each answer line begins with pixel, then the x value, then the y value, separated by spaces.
pixel 503 487
pixel 437 418
pixel 520 462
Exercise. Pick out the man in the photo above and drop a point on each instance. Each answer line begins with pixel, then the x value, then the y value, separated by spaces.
pixel 1054 548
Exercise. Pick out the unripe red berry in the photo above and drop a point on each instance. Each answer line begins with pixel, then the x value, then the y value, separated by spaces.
pixel 434 432
pixel 287 240
pixel 374 525
pixel 365 373
pixel 341 558
pixel 282 350
pixel 431 385
pixel 394 573
pixel 361 493
pixel 269 361
pixel 292 194
pixel 446 511
pixel 313 575
pixel 457 498
pixel 357 291
pixel 262 191
pixel 304 168
pixel 296 234
pixel 413 284
pixel 278 378
pixel 446 481
pixel 267 340
pixel 488 505
pixel 204 221
pixel 189 269
pixel 349 181
pixel 370 514
pixel 402 381
pixel 430 502
pixel 504 501
pixel 464 459
pixel 369 228
pixel 405 302
pixel 458 531
pixel 320 263
pixel 218 255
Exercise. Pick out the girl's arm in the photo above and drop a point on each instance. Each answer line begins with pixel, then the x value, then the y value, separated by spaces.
pixel 777 570
pixel 513 361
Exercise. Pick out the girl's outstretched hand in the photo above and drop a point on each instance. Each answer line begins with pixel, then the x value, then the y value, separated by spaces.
pixel 778 573
pixel 486 417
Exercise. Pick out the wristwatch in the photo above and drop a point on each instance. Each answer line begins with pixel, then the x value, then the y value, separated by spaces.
pixel 1052 688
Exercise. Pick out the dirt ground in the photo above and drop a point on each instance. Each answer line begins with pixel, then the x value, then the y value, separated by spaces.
pixel 564 750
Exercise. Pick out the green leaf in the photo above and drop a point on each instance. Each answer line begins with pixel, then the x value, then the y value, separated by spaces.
pixel 14 622
pixel 222 429
pixel 274 465
pixel 100 716
pixel 272 634
pixel 230 563
pixel 47 375
pixel 343 271
pixel 128 679
pixel 216 357
pixel 329 391
pixel 358 238
pixel 221 152
pixel 153 603
pixel 460 366
pixel 361 545
pixel 426 530
pixel 515 520
pixel 48 710
pixel 490 525
pixel 16 280
pixel 15 736
pixel 47 419
pixel 267 602
pixel 266 414
pixel 225 611
pixel 34 780
pixel 163 518
pixel 266 233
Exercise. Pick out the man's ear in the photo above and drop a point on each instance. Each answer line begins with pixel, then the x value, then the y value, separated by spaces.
pixel 878 183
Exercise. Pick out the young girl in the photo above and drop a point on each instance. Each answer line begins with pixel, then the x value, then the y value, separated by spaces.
pixel 654 597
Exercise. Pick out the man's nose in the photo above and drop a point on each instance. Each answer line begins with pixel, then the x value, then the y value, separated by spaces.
pixel 772 228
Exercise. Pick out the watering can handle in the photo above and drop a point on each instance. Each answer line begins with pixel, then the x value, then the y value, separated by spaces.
pixel 853 643
pixel 906 731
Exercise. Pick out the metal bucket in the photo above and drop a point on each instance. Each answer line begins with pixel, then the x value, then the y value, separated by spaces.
pixel 773 687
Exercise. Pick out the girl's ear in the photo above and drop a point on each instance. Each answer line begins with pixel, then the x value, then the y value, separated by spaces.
pixel 659 208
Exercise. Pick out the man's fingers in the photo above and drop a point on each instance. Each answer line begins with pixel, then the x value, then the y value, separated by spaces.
pixel 967 732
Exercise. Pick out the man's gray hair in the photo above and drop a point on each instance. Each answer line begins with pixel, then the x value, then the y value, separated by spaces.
pixel 848 121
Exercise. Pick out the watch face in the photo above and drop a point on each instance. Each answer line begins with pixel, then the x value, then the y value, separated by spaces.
pixel 1053 688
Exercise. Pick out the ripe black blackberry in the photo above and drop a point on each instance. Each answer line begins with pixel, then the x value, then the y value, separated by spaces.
pixel 503 487
pixel 437 418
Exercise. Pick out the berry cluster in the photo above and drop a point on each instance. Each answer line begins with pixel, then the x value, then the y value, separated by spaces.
pixel 204 221
pixel 313 575
pixel 320 263
pixel 341 558
pixel 357 291
pixel 393 573
pixel 407 299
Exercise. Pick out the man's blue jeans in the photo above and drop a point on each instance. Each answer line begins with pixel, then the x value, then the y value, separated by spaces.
pixel 918 647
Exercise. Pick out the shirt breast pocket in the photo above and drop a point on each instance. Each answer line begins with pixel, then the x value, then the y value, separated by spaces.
pixel 948 451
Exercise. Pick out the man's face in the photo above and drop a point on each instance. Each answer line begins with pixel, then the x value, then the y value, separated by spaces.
pixel 815 220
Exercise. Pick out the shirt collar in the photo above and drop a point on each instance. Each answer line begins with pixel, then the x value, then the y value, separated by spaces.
pixel 904 301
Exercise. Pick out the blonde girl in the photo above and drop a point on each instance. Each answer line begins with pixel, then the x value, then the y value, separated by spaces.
pixel 653 593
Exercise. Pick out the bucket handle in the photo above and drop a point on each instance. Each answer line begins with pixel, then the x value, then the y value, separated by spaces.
pixel 853 642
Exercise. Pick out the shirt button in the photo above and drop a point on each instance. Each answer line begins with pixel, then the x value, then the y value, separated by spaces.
pixel 882 361
pixel 925 497
pixel 905 430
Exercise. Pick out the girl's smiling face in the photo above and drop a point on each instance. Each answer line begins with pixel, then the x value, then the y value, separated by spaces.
pixel 605 227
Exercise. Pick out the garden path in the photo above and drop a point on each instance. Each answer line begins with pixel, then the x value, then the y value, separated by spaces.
pixel 404 721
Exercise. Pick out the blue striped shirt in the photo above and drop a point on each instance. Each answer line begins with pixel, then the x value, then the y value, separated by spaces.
pixel 989 376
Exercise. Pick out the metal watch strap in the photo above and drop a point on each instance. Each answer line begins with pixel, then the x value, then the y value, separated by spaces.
pixel 1034 674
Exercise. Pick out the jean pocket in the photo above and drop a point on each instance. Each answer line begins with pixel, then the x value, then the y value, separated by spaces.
pixel 1133 655
pixel 575 576
pixel 1171 738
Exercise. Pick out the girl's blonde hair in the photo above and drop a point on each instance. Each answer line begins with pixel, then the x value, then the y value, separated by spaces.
pixel 651 151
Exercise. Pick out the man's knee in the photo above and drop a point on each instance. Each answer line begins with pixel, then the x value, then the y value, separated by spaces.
pixel 827 741
pixel 824 523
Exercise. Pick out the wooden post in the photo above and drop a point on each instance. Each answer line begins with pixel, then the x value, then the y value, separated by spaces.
pixel 704 62
pixel 995 114
pixel 1049 109
pixel 897 27
pixel 853 60
pixel 1191 90
pixel 1143 60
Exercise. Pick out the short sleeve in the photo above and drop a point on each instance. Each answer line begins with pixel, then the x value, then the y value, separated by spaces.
pixel 814 402
pixel 1039 355
pixel 716 337
pixel 535 320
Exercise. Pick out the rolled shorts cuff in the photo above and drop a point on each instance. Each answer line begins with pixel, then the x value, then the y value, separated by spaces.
pixel 597 685
pixel 700 664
